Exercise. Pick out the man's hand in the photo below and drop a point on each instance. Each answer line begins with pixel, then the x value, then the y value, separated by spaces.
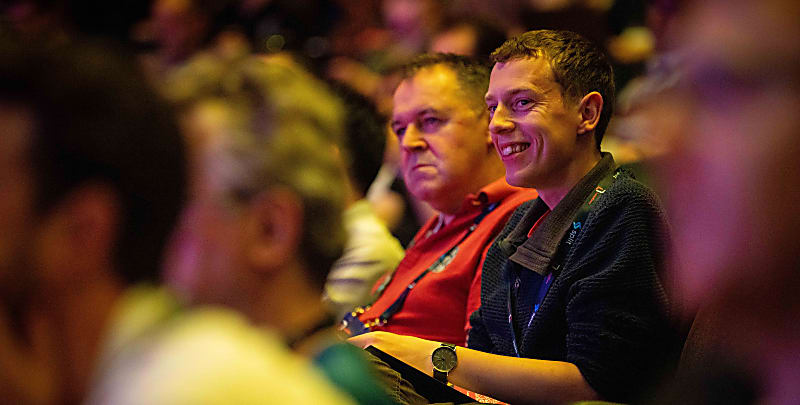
pixel 412 350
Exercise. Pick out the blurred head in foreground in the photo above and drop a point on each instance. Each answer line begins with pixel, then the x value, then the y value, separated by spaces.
pixel 89 200
pixel 264 223
pixel 734 177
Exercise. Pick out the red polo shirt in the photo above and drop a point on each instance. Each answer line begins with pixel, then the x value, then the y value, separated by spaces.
pixel 439 306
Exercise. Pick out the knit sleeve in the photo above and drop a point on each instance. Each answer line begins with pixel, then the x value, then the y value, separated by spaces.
pixel 477 338
pixel 617 310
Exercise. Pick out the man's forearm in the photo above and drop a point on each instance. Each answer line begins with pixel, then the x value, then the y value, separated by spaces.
pixel 510 379
pixel 520 380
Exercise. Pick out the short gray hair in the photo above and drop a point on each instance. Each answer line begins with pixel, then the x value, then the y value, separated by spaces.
pixel 284 128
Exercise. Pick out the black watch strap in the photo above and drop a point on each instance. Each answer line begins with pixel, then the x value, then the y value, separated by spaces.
pixel 439 375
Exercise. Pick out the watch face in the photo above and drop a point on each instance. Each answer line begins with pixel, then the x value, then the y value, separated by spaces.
pixel 444 359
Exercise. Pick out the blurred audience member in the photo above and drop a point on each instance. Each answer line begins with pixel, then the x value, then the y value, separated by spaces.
pixel 448 161
pixel 733 188
pixel 635 134
pixel 112 20
pixel 95 166
pixel 371 251
pixel 408 28
pixel 178 29
pixel 183 27
pixel 471 37
pixel 264 224
pixel 411 23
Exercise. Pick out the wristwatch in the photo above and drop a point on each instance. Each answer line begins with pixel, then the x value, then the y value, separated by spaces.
pixel 444 360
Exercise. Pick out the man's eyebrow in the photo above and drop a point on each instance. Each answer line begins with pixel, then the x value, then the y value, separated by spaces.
pixel 514 92
pixel 428 110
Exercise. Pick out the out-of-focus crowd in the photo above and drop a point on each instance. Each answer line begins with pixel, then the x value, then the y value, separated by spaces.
pixel 202 199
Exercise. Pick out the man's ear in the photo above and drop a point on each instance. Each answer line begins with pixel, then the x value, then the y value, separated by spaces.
pixel 589 109
pixel 78 235
pixel 274 229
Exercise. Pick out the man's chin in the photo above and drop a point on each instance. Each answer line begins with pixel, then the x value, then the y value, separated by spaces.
pixel 516 179
pixel 422 193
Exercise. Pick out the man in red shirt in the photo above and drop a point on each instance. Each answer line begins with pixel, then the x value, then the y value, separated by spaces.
pixel 448 161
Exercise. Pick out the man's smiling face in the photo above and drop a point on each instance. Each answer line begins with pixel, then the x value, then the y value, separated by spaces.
pixel 533 127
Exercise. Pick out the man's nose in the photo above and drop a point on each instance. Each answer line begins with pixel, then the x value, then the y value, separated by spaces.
pixel 412 139
pixel 500 122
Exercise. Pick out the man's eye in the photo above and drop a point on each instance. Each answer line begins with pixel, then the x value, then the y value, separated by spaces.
pixel 430 123
pixel 491 109
pixel 399 131
pixel 523 103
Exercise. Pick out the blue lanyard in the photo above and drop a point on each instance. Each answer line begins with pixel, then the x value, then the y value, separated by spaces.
pixel 544 286
pixel 562 251
pixel 356 327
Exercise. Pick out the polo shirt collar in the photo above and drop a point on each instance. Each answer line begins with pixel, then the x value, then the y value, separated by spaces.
pixel 490 194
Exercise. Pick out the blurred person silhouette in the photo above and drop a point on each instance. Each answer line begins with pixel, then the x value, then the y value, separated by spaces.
pixel 264 223
pixel 93 172
pixel 183 27
pixel 467 36
pixel 410 24
pixel 178 29
pixel 449 162
pixel 733 184
pixel 635 136
pixel 371 251
pixel 50 18
pixel 573 302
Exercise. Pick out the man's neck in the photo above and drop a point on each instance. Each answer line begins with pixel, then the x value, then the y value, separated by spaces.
pixel 80 318
pixel 289 303
pixel 570 176
pixel 352 194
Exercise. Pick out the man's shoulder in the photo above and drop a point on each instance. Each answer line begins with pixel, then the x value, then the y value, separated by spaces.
pixel 210 356
pixel 626 192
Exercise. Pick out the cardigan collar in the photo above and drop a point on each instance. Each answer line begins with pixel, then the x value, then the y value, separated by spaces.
pixel 536 252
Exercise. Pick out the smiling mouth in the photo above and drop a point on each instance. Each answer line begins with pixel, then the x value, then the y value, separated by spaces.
pixel 509 150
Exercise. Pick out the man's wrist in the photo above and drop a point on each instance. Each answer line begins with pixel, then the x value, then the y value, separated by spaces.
pixel 444 359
